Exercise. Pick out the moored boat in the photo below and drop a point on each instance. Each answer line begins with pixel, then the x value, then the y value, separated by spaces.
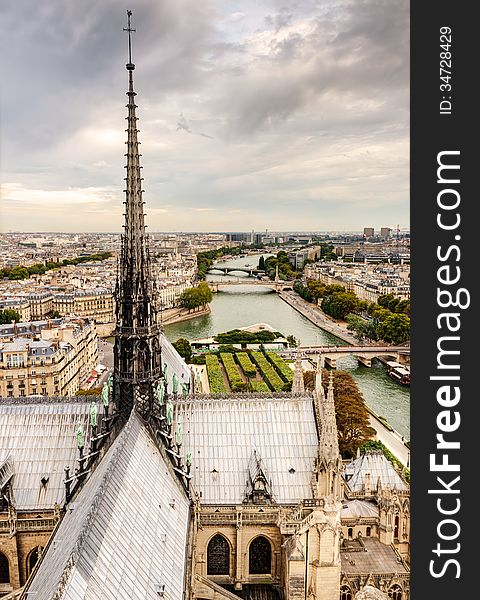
pixel 398 372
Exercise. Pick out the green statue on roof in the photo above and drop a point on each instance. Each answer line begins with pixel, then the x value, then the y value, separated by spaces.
pixel 80 436
pixel 93 414
pixel 160 392
pixel 169 412
pixel 105 399
pixel 175 383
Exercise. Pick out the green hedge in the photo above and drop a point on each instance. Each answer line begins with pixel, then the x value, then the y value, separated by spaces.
pixel 281 367
pixel 268 372
pixel 246 364
pixel 236 382
pixel 259 386
pixel 215 375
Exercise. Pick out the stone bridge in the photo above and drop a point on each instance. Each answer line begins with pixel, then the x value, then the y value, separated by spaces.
pixel 364 354
pixel 277 286
pixel 251 272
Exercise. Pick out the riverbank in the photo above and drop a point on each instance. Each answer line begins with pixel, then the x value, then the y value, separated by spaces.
pixel 318 318
pixel 177 315
pixel 391 439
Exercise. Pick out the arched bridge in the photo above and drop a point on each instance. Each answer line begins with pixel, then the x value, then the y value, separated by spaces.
pixel 277 286
pixel 364 354
pixel 227 270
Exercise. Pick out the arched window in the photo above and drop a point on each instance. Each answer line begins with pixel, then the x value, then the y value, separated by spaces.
pixel 345 593
pixel 350 532
pixel 218 556
pixel 395 592
pixel 4 569
pixel 396 527
pixel 368 532
pixel 260 556
pixel 32 559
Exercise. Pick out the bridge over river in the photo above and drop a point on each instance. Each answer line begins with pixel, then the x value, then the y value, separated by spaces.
pixel 251 272
pixel 364 354
pixel 277 286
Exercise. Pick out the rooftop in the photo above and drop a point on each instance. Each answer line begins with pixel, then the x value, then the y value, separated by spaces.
pixel 376 558
pixel 223 434
pixel 124 535
pixel 378 467
pixel 40 439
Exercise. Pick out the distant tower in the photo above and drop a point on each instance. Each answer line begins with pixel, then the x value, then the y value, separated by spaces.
pixel 137 352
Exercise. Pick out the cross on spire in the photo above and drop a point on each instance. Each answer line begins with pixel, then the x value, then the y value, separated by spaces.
pixel 130 65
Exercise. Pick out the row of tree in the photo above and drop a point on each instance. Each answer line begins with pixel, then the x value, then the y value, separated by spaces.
pixel 24 272
pixel 387 320
pixel 392 328
pixel 195 297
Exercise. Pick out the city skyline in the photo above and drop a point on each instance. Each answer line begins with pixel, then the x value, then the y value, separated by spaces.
pixel 228 145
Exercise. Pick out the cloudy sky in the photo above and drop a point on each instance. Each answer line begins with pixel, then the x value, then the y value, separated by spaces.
pixel 278 114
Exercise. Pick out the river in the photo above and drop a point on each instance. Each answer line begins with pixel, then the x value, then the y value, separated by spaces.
pixel 241 306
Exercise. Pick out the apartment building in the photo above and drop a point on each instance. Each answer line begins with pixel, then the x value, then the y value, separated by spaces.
pixel 48 358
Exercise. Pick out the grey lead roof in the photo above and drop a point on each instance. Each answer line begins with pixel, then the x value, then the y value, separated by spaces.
pixel 40 440
pixel 124 534
pixel 359 508
pixel 376 558
pixel 378 466
pixel 175 363
pixel 223 435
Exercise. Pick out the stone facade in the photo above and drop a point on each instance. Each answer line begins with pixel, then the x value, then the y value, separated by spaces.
pixel 49 359
pixel 23 536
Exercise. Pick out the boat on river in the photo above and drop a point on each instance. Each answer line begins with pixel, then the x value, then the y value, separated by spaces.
pixel 398 372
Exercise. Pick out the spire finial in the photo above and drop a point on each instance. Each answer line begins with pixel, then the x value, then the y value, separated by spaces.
pixel 130 65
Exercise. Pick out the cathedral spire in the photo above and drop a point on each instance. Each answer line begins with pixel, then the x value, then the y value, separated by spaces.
pixel 329 461
pixel 329 436
pixel 298 386
pixel 318 380
pixel 137 346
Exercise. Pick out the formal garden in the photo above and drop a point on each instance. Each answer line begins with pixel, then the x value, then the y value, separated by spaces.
pixel 247 371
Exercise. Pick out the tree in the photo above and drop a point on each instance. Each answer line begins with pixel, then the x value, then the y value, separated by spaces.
pixel 395 328
pixel 339 304
pixel 194 297
pixel 353 421
pixel 183 347
pixel 205 293
pixel 363 328
pixel 8 315
pixel 55 314
pixel 292 341
pixel 261 263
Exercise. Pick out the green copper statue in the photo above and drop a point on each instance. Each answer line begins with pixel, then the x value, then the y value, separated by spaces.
pixel 175 383
pixel 160 392
pixel 93 414
pixel 105 399
pixel 169 412
pixel 80 436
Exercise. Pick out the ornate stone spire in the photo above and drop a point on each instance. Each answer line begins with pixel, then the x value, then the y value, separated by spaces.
pixel 137 358
pixel 318 381
pixel 298 386
pixel 329 461
pixel 329 437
